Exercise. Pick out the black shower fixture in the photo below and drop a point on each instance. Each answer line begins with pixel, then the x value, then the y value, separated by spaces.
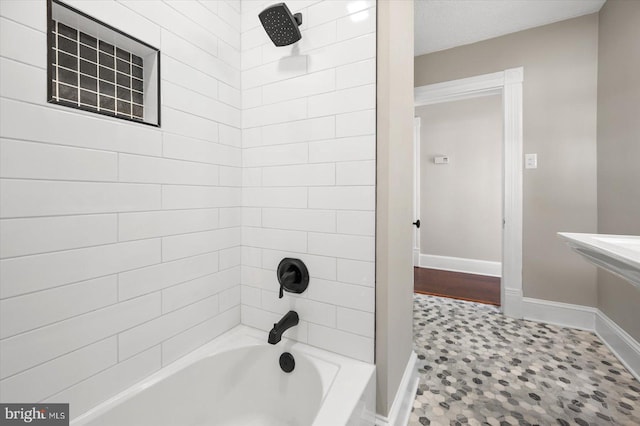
pixel 281 26
pixel 293 276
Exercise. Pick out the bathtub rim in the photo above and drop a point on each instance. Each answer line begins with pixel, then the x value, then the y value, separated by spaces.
pixel 341 391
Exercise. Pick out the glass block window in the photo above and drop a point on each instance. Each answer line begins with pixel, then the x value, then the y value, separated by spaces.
pixel 101 73
pixel 96 75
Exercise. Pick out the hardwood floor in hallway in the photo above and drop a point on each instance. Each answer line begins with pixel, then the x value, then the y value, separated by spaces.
pixel 457 285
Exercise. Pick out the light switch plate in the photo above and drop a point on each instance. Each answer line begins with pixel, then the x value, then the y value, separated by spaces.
pixel 531 161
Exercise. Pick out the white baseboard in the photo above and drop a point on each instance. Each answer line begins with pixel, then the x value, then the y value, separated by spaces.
pixel 403 402
pixel 459 264
pixel 623 346
pixel 557 313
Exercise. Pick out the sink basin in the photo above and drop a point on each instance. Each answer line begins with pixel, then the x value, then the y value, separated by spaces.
pixel 619 254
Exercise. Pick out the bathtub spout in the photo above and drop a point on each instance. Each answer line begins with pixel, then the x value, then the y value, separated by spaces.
pixel 288 320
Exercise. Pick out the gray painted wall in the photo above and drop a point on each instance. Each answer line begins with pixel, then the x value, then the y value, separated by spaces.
pixel 394 208
pixel 560 85
pixel 461 202
pixel 619 149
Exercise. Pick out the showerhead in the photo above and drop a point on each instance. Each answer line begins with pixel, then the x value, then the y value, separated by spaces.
pixel 280 24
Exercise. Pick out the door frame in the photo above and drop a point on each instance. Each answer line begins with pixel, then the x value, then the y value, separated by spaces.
pixel 508 84
pixel 416 190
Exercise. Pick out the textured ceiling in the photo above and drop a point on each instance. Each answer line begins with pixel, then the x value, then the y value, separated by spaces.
pixel 443 24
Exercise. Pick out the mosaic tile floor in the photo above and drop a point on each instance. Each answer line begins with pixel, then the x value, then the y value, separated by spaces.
pixel 478 367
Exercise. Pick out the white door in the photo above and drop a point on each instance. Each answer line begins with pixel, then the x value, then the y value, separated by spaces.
pixel 416 191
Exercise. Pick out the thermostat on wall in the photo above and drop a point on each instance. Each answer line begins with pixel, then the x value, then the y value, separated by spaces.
pixel 442 159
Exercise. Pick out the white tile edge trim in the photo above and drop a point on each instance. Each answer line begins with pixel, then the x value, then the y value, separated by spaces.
pixel 403 402
pixel 623 346
pixel 459 264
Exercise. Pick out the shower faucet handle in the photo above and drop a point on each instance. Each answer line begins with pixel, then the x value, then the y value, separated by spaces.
pixel 286 279
pixel 293 276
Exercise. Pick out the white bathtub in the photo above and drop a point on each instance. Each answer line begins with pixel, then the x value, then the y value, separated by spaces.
pixel 236 380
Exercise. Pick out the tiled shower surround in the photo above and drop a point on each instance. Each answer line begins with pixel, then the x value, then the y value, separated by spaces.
pixel 308 116
pixel 124 246
pixel 95 75
pixel 120 242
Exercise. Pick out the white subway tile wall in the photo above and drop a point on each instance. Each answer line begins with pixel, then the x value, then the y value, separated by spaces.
pixel 124 247
pixel 120 244
pixel 308 124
